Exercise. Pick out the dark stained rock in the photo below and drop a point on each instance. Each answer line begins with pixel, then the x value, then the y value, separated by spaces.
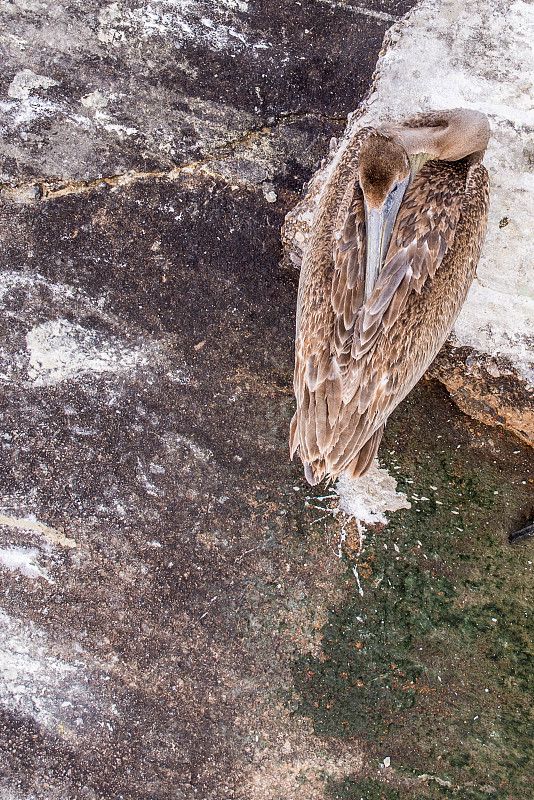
pixel 123 86
pixel 147 355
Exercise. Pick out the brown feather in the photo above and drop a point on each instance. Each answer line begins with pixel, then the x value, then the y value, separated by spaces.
pixel 360 465
pixel 293 436
pixel 356 361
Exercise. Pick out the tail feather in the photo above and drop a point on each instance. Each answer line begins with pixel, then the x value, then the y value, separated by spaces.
pixel 364 459
pixel 312 477
pixel 293 436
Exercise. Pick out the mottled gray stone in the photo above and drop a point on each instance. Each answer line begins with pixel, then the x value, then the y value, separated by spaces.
pixel 128 85
pixel 160 569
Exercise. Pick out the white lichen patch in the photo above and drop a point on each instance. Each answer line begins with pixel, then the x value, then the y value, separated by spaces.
pixel 95 100
pixel 368 498
pixel 179 376
pixel 26 103
pixel 21 113
pixel 35 683
pixel 200 453
pixel 148 485
pixel 25 81
pixel 219 26
pixel 60 350
pixel 25 561
pixel 114 127
pixel 32 286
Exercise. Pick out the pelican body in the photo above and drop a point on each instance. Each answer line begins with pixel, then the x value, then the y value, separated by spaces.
pixel 391 256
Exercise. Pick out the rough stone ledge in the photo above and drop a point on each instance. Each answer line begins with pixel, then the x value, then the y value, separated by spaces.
pixel 487 388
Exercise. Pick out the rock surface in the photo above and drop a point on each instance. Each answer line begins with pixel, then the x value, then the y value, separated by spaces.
pixel 122 86
pixel 159 568
pixel 157 581
pixel 163 565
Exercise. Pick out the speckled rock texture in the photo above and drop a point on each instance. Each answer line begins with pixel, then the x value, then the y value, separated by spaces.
pixel 164 567
pixel 109 87
pixel 158 560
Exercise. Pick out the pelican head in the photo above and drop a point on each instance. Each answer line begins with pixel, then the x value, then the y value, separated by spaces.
pixel 384 174
pixel 392 155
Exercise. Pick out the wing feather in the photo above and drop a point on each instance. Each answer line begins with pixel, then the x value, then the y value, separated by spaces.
pixel 351 357
pixel 424 232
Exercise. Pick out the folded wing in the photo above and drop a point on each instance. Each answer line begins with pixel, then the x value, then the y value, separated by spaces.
pixel 344 384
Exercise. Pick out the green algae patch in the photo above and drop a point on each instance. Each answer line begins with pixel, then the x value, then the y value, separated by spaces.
pixel 365 789
pixel 379 789
pixel 433 667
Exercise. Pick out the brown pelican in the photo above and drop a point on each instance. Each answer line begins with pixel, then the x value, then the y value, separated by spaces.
pixel 392 253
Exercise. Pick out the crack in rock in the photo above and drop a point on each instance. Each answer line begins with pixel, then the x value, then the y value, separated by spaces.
pixel 51 189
